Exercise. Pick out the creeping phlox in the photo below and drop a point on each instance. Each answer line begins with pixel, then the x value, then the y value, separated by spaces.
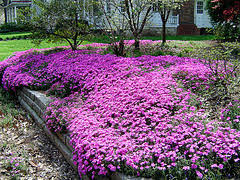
pixel 130 114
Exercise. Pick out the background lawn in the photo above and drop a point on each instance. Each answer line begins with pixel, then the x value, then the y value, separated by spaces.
pixel 13 34
pixel 10 46
pixel 184 37
pixel 105 39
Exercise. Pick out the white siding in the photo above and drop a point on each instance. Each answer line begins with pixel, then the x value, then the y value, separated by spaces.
pixel 201 17
pixel 173 21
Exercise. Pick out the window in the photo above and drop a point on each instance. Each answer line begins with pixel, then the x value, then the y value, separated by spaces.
pixel 199 7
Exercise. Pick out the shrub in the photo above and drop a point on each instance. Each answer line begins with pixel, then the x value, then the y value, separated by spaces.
pixel 227 32
pixel 231 114
pixel 223 60
pixel 225 14
pixel 13 27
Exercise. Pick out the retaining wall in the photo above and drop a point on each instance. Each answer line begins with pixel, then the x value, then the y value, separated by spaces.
pixel 35 103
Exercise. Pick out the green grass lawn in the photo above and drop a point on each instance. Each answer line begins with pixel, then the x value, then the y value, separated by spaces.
pixel 183 37
pixel 13 34
pixel 8 47
pixel 105 39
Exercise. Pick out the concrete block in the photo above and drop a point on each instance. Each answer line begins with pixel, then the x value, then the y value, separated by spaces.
pixel 26 98
pixel 36 108
pixel 120 176
pixel 27 92
pixel 61 137
pixel 32 104
pixel 67 141
pixel 39 98
pixel 37 119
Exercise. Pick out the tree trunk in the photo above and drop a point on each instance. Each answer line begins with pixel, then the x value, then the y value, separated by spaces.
pixel 136 44
pixel 5 15
pixel 75 45
pixel 121 48
pixel 164 32
pixel 118 48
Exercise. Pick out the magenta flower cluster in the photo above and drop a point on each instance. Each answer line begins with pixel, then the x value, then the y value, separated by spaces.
pixel 129 113
pixel 231 114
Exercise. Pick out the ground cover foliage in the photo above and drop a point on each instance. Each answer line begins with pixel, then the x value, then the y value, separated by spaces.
pixel 152 116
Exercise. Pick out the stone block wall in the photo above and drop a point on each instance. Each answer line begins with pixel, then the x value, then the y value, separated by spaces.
pixel 35 103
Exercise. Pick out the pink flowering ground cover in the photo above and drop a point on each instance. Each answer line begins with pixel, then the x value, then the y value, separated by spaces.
pixel 132 115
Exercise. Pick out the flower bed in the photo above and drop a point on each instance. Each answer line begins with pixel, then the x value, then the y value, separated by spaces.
pixel 133 115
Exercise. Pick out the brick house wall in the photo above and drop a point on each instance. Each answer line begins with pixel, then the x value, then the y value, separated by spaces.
pixel 186 20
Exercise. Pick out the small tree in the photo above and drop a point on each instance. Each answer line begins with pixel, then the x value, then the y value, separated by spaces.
pixel 114 26
pixel 164 8
pixel 136 13
pixel 62 20
pixel 225 15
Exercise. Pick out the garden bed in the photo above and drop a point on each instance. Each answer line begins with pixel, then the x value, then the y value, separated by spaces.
pixel 35 103
pixel 145 116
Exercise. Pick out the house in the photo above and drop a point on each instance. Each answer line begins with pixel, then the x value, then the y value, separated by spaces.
pixel 12 7
pixel 2 19
pixel 192 19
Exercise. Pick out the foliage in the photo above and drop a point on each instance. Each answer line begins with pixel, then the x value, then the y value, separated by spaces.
pixel 227 32
pixel 133 115
pixel 223 57
pixel 13 27
pixel 114 26
pixel 60 20
pixel 104 38
pixel 231 114
pixel 225 14
pixel 223 10
pixel 16 166
pixel 136 14
pixel 8 47
pixel 7 109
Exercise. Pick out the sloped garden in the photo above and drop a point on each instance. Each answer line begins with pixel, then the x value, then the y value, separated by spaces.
pixel 142 115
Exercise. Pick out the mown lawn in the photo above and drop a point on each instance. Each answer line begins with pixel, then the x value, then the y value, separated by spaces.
pixel 183 37
pixel 11 46
pixel 105 39
pixel 13 34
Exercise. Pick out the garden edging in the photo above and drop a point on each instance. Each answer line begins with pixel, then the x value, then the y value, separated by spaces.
pixel 35 103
